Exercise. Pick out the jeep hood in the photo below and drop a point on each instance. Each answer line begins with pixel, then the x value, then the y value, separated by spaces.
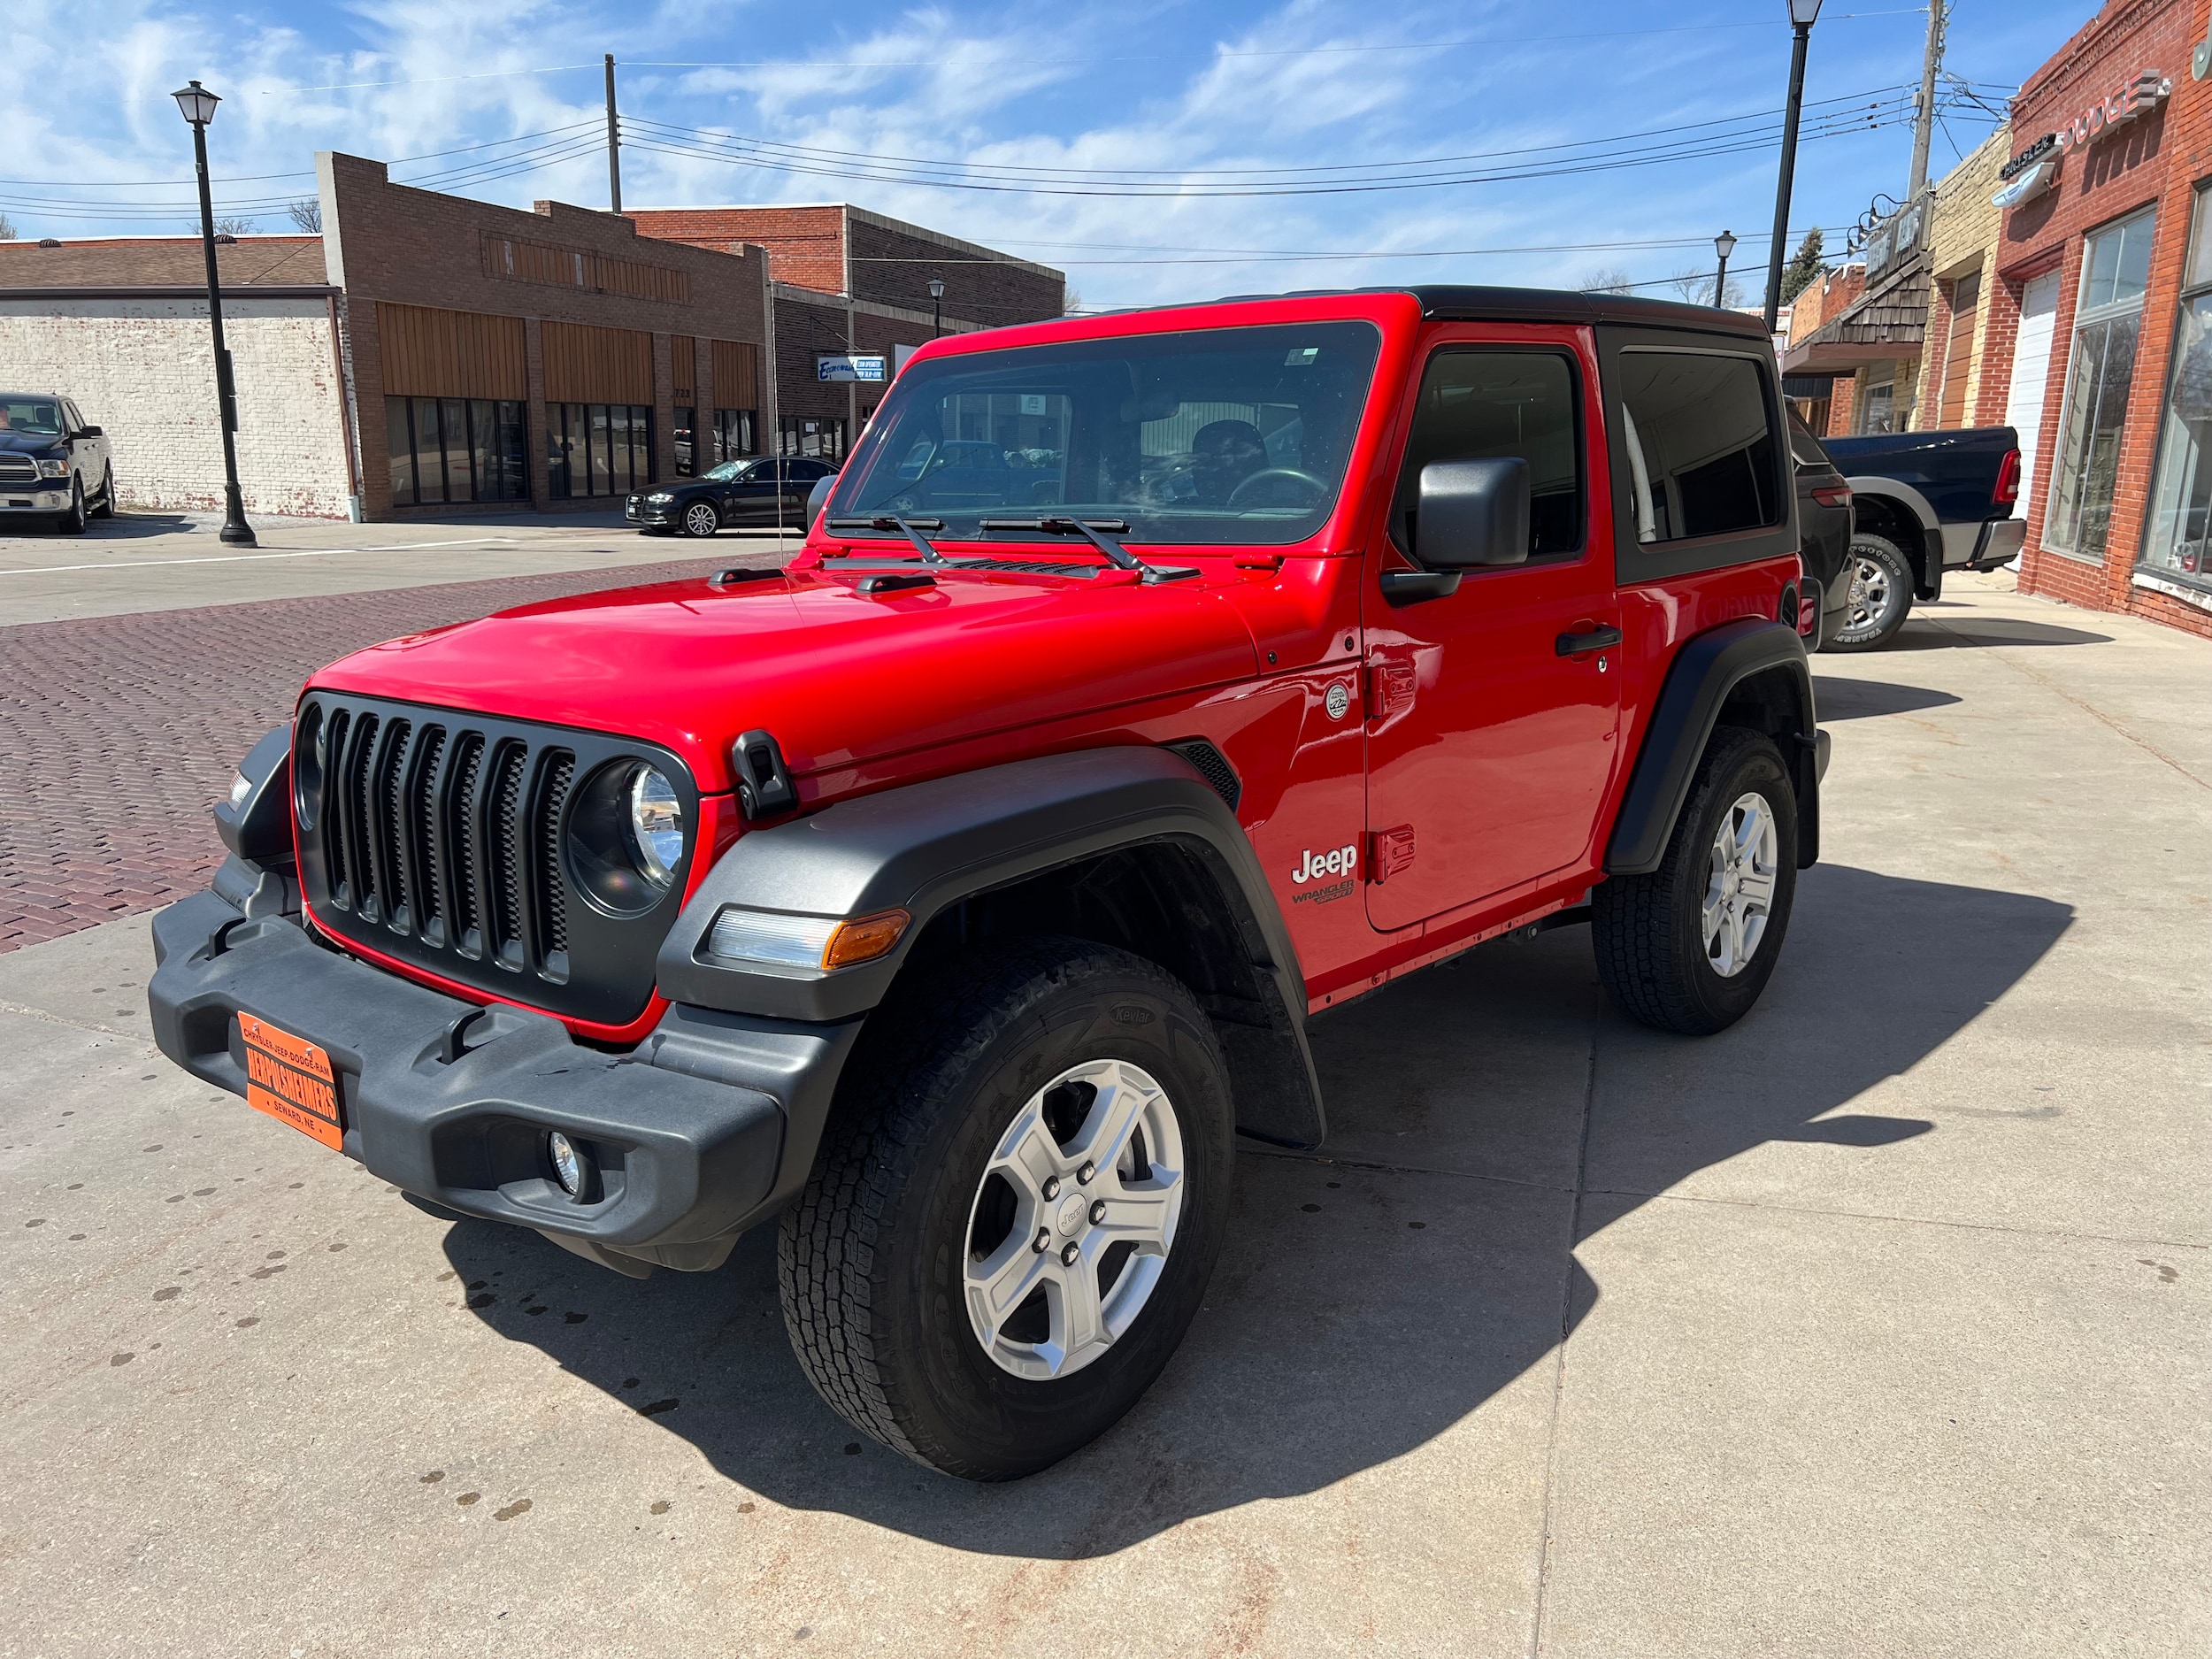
pixel 840 678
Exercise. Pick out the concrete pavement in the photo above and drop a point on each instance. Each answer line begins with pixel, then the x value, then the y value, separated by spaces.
pixel 1873 1327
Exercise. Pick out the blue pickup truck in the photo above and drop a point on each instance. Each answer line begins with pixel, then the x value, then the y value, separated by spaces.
pixel 1922 503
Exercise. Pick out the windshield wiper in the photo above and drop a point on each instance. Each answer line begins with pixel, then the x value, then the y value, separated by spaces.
pixel 1100 533
pixel 911 528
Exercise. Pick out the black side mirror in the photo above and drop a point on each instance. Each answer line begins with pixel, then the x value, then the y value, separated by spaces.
pixel 1472 513
pixel 91 432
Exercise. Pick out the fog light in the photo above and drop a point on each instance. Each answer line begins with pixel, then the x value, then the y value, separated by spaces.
pixel 569 1167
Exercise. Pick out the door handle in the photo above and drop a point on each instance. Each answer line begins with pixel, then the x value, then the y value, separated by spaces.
pixel 1597 639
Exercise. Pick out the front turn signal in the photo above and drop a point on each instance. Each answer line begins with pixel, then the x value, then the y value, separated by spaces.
pixel 866 938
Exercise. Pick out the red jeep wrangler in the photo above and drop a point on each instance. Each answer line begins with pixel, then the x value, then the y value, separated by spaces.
pixel 1150 684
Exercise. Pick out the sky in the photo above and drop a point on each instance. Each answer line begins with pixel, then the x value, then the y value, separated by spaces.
pixel 1154 149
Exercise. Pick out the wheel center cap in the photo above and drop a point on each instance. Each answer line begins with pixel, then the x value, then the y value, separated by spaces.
pixel 1071 1214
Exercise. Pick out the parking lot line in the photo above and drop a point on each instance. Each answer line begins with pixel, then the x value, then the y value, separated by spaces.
pixel 243 558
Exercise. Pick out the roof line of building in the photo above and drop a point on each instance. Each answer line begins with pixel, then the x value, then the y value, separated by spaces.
pixel 175 291
pixel 884 221
pixel 799 296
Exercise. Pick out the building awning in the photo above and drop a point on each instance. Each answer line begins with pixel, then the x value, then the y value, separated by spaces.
pixel 1889 323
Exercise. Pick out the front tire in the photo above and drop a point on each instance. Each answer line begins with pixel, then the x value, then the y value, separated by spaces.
pixel 106 509
pixel 701 519
pixel 1688 947
pixel 1881 594
pixel 997 1253
pixel 71 523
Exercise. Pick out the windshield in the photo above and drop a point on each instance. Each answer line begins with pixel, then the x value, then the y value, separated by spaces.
pixel 38 417
pixel 729 471
pixel 1223 435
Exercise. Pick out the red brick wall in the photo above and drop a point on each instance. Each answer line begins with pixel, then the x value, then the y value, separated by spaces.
pixel 2156 159
pixel 806 245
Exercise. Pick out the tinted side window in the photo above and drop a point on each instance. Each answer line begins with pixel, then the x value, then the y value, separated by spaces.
pixel 1478 404
pixel 1701 455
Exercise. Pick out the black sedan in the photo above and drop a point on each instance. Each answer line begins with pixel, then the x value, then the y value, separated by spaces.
pixel 735 493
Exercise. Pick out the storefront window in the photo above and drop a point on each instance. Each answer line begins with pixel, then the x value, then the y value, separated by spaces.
pixel 2108 322
pixel 447 450
pixel 598 448
pixel 685 465
pixel 1881 409
pixel 822 437
pixel 732 434
pixel 2176 535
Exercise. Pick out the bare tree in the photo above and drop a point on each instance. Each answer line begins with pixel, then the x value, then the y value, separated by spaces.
pixel 307 213
pixel 1071 302
pixel 1607 280
pixel 1696 287
pixel 7 228
pixel 235 226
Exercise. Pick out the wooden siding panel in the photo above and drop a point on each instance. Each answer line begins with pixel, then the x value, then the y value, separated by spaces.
pixel 430 353
pixel 736 374
pixel 683 367
pixel 1959 360
pixel 584 365
pixel 512 259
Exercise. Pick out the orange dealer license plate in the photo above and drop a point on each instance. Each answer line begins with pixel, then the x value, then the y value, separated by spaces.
pixel 290 1078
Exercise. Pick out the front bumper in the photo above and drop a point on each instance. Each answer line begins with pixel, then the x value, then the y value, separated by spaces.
pixel 453 1102
pixel 20 501
pixel 637 510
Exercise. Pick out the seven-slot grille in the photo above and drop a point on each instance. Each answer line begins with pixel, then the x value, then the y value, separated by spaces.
pixel 438 837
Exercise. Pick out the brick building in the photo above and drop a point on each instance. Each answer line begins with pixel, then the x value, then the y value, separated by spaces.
pixel 424 351
pixel 2101 316
pixel 120 324
pixel 853 284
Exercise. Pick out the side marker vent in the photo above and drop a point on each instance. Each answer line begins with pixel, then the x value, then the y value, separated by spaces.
pixel 1214 767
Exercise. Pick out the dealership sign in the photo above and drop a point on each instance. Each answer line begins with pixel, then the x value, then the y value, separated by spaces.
pixel 2138 96
pixel 2030 173
pixel 846 366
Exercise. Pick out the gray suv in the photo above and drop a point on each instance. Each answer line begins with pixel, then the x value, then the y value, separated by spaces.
pixel 54 465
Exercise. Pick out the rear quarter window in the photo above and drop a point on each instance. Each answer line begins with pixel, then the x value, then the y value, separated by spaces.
pixel 1699 468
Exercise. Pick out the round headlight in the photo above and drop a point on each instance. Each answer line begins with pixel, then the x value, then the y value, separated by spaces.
pixel 657 825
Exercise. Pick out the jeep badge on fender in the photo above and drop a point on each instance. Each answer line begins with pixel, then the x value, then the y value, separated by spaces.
pixel 923 899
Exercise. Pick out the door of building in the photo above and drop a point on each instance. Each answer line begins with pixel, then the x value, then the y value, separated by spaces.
pixel 2031 369
pixel 1958 361
pixel 1488 748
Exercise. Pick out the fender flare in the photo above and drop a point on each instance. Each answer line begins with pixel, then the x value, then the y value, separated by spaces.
pixel 1704 671
pixel 923 846
pixel 1928 556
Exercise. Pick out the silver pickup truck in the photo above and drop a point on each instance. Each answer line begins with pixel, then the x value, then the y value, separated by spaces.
pixel 55 467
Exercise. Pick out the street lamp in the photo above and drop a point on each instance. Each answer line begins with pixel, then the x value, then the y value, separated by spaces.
pixel 936 307
pixel 199 104
pixel 1724 245
pixel 1802 12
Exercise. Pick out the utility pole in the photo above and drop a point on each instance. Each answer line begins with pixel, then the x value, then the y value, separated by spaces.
pixel 614 145
pixel 1923 123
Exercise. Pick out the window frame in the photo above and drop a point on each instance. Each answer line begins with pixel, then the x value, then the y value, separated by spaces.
pixel 2196 285
pixel 2090 316
pixel 1580 419
pixel 1660 560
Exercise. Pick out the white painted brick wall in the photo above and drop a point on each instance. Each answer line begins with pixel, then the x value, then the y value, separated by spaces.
pixel 144 371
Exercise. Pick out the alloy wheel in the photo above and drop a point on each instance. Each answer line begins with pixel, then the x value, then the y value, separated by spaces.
pixel 1073 1219
pixel 700 520
pixel 1869 600
pixel 1739 885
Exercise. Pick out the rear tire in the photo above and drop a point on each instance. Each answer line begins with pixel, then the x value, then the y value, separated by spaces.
pixel 1733 853
pixel 910 1241
pixel 1881 594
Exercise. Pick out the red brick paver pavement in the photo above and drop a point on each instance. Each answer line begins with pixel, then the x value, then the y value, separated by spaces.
pixel 117 733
